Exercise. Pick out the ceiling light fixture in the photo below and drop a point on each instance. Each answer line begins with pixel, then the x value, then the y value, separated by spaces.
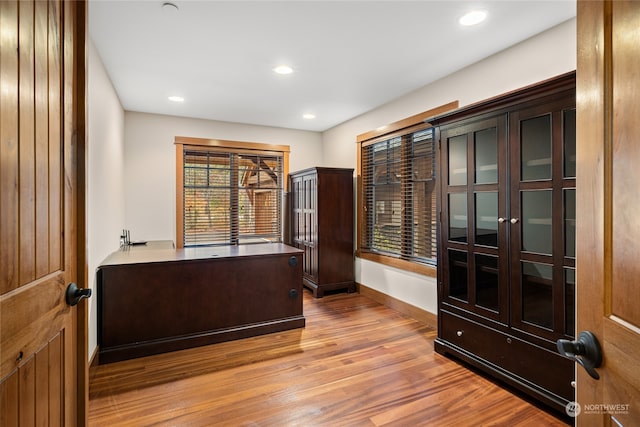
pixel 283 69
pixel 169 7
pixel 308 116
pixel 176 99
pixel 472 18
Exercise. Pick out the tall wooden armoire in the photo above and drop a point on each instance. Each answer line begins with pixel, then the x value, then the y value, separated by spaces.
pixel 506 261
pixel 322 225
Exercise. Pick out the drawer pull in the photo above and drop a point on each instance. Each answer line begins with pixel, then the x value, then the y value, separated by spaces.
pixel 459 333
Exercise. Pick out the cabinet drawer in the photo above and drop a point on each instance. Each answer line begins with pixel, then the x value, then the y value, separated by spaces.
pixel 540 368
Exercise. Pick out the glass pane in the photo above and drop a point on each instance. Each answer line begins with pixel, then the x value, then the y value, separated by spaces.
pixel 570 143
pixel 487 218
pixel 537 295
pixel 458 160
pixel 422 234
pixel 458 275
pixel 570 301
pixel 388 220
pixel 381 174
pixel 395 168
pixel 207 217
pixel 395 158
pixel 535 140
pixel 487 282
pixel 486 149
pixel 570 223
pixel 536 221
pixel 458 217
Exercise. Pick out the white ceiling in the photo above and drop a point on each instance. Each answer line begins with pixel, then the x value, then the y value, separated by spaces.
pixel 348 57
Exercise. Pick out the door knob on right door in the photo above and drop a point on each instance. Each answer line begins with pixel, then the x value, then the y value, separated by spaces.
pixel 585 351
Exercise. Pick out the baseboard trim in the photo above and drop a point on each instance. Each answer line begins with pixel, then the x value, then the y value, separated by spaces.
pixel 93 360
pixel 412 311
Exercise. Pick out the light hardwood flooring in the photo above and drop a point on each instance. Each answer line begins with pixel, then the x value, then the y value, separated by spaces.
pixel 356 363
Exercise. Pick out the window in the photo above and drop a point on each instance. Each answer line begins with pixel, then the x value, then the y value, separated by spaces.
pixel 397 194
pixel 228 192
pixel 399 197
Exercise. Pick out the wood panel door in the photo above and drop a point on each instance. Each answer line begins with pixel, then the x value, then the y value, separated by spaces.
pixel 608 206
pixel 41 219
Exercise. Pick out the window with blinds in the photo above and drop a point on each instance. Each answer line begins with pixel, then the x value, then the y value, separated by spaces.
pixel 231 197
pixel 399 196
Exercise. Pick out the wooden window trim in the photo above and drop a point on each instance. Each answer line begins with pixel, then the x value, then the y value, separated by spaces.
pixel 408 122
pixel 205 144
pixel 399 128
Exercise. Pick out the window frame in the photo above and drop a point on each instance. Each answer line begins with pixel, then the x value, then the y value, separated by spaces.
pixel 241 147
pixel 402 128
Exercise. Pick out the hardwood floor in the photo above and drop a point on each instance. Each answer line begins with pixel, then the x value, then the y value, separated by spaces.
pixel 356 363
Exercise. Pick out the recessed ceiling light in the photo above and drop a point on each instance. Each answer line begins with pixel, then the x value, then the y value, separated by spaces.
pixel 283 69
pixel 169 7
pixel 176 99
pixel 308 116
pixel 472 18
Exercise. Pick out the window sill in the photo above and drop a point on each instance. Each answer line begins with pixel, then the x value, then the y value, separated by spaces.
pixel 401 264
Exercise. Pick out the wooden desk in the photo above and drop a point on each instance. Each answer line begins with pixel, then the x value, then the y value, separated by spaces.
pixel 154 298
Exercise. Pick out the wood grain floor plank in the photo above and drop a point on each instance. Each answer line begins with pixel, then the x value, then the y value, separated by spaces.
pixel 356 363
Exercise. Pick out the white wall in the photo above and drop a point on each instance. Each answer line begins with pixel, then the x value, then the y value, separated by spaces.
pixel 105 174
pixel 150 193
pixel 541 57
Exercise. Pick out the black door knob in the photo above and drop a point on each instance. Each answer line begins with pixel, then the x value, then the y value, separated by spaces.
pixel 585 351
pixel 74 294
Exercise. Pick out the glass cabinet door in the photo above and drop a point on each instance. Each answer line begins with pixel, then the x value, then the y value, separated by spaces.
pixel 542 219
pixel 474 204
pixel 310 221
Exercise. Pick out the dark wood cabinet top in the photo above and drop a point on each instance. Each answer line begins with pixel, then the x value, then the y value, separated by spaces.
pixel 163 251
pixel 320 169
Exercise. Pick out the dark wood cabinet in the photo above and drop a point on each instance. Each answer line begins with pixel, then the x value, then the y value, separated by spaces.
pixel 322 226
pixel 154 298
pixel 506 262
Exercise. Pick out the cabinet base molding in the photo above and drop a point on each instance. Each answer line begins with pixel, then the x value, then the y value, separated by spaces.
pixel 542 374
pixel 151 347
pixel 407 309
pixel 445 348
pixel 319 290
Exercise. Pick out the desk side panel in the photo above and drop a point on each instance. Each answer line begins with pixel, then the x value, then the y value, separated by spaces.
pixel 158 307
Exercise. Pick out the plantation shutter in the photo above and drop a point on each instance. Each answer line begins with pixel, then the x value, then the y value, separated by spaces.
pixel 231 197
pixel 399 195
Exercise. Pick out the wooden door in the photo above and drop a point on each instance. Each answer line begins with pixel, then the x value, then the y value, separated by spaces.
pixel 608 208
pixel 41 219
